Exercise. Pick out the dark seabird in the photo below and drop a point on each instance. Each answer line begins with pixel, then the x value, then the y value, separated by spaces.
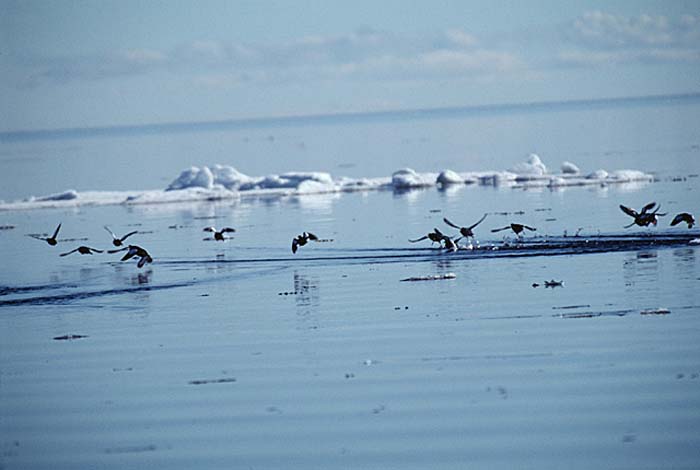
pixel 50 240
pixel 466 232
pixel 435 236
pixel 135 251
pixel 516 228
pixel 450 244
pixel 684 217
pixel 303 239
pixel 83 250
pixel 116 241
pixel 219 234
pixel 643 218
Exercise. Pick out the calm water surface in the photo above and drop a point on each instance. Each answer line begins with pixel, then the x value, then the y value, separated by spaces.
pixel 239 354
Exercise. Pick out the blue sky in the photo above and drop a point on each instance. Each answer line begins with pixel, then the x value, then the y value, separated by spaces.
pixel 87 63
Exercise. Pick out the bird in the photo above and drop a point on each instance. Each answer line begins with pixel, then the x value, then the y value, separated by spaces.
pixel 303 239
pixel 50 240
pixel 137 251
pixel 466 232
pixel 450 244
pixel 435 236
pixel 684 217
pixel 644 218
pixel 553 284
pixel 83 250
pixel 516 228
pixel 116 241
pixel 219 234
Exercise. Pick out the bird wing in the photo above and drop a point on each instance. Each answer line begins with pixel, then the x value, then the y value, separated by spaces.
pixel 532 229
pixel 494 230
pixel 209 229
pixel 228 230
pixel 110 232
pixel 129 234
pixel 648 207
pixel 312 236
pixel 478 222
pixel 55 233
pixel 117 251
pixel 37 237
pixel 677 219
pixel 450 223
pixel 418 239
pixel 438 232
pixel 295 245
pixel 96 250
pixel 628 211
pixel 68 253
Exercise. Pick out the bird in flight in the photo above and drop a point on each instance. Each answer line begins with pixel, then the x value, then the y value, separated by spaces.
pixel 50 240
pixel 134 250
pixel 83 250
pixel 516 228
pixel 684 217
pixel 644 218
pixel 219 234
pixel 119 241
pixel 466 232
pixel 303 239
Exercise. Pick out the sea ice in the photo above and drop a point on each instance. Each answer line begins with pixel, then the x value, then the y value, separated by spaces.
pixel 226 182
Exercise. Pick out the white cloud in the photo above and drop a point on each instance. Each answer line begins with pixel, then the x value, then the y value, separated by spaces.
pixel 598 38
pixel 366 54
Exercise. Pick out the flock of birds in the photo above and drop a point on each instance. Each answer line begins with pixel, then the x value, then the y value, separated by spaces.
pixel 648 215
pixel 132 251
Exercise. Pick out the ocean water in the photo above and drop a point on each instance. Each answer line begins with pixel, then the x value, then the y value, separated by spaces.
pixel 240 354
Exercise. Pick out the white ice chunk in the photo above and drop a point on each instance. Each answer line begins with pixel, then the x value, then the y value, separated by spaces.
pixel 569 168
pixel 408 178
pixel 533 166
pixel 448 177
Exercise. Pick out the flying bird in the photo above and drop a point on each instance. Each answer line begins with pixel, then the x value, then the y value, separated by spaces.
pixel 134 250
pixel 219 234
pixel 50 240
pixel 117 241
pixel 516 228
pixel 83 250
pixel 644 218
pixel 303 239
pixel 466 232
pixel 684 217
pixel 435 236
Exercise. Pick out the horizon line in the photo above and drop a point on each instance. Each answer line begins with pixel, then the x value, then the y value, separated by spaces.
pixel 446 112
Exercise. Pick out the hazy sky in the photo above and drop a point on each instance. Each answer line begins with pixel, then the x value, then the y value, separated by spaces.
pixel 96 63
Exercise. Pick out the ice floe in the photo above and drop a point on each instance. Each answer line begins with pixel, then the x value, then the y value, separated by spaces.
pixel 221 182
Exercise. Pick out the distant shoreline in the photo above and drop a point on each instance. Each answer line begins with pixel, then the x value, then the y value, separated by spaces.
pixel 445 112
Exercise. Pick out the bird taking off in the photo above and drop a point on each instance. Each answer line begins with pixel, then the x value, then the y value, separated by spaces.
pixel 466 232
pixel 436 236
pixel 516 228
pixel 134 250
pixel 643 218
